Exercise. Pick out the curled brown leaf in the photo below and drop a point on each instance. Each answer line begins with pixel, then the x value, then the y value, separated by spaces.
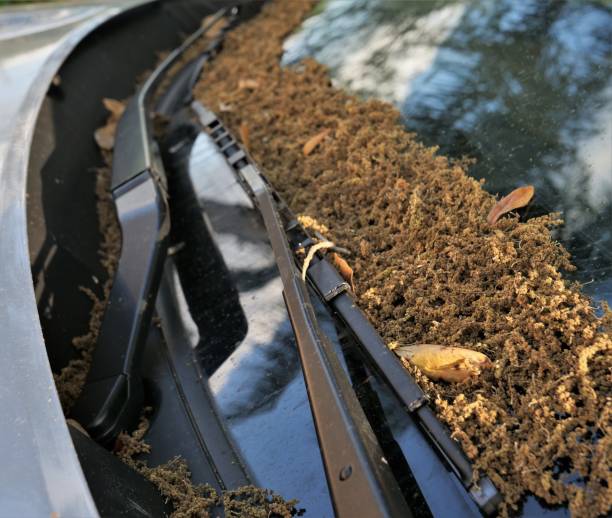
pixel 345 270
pixel 446 363
pixel 105 135
pixel 314 141
pixel 515 200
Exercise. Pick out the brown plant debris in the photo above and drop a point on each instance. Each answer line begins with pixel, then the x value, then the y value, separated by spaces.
pixel 71 379
pixel 173 480
pixel 446 363
pixel 313 142
pixel 313 224
pixel 255 502
pixel 248 84
pixel 105 136
pixel 244 135
pixel 430 269
pixel 515 200
pixel 115 107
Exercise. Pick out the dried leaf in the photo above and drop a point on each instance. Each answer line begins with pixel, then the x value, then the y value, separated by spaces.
pixel 114 106
pixel 248 84
pixel 105 136
pixel 345 270
pixel 313 142
pixel 515 200
pixel 224 107
pixel 244 134
pixel 440 362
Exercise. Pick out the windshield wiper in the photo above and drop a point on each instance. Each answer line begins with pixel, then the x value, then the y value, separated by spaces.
pixel 113 396
pixel 281 226
pixel 359 478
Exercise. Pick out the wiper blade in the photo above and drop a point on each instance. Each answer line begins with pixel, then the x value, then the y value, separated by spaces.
pixel 113 396
pixel 334 290
pixel 359 478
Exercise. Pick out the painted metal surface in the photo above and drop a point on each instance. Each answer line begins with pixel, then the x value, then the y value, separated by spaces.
pixel 45 476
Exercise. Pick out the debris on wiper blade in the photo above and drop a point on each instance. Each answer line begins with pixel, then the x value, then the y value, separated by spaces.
pixel 360 480
pixel 283 228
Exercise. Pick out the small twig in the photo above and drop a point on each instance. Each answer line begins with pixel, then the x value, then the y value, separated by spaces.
pixel 335 248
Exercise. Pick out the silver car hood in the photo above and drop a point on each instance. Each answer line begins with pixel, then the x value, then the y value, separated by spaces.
pixel 42 475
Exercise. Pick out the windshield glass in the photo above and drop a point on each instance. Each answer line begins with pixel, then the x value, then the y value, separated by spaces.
pixel 522 87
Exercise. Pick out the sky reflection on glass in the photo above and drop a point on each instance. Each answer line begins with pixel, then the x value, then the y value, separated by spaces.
pixel 523 87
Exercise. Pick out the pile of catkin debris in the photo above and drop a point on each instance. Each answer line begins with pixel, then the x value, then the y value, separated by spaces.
pixel 429 269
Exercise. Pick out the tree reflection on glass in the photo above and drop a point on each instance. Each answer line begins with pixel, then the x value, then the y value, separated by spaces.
pixel 523 87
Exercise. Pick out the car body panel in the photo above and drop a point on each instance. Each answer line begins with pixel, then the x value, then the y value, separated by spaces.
pixel 45 476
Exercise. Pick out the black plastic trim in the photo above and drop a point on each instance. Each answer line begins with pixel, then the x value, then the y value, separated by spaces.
pixel 112 399
pixel 113 396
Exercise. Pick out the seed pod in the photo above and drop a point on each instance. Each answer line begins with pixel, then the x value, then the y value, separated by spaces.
pixel 446 363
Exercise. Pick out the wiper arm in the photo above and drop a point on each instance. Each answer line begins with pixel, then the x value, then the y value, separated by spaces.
pixel 334 290
pixel 359 478
pixel 113 396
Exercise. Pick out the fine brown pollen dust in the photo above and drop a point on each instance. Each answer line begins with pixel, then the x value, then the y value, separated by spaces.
pixel 429 269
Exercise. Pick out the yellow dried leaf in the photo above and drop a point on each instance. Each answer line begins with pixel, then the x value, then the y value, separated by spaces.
pixel 313 142
pixel 345 270
pixel 244 134
pixel 248 84
pixel 446 363
pixel 515 200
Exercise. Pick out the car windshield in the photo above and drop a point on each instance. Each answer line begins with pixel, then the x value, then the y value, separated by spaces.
pixel 522 87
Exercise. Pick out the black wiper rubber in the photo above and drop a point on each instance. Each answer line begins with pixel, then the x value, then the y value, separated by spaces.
pixel 113 396
pixel 335 291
